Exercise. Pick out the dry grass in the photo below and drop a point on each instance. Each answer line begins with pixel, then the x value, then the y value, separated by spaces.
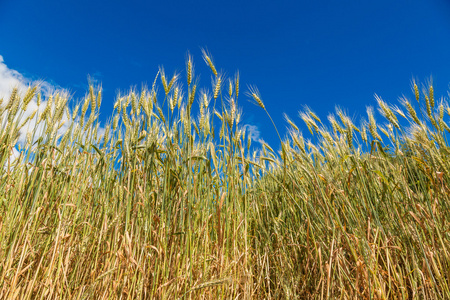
pixel 160 207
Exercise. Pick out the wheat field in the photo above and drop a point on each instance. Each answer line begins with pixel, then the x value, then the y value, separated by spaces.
pixel 170 199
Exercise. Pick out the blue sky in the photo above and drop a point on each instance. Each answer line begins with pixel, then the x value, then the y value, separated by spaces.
pixel 315 53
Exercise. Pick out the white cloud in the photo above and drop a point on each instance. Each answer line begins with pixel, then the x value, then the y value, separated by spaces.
pixel 10 79
pixel 254 132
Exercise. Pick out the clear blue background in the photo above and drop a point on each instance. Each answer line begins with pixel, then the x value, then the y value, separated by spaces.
pixel 315 53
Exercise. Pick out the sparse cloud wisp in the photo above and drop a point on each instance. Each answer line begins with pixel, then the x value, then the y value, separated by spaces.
pixel 253 132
